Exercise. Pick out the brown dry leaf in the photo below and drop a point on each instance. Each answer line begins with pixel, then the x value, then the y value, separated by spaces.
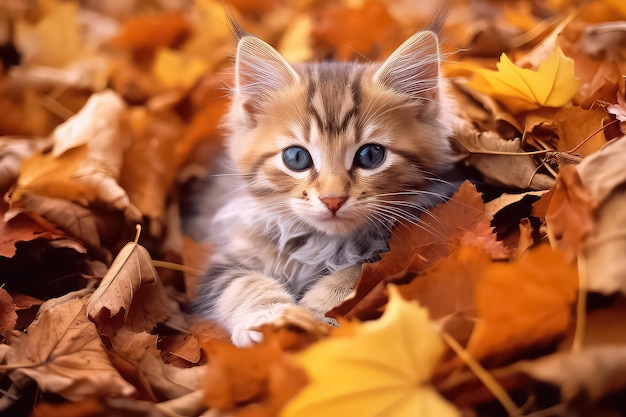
pixel 148 174
pixel 569 217
pixel 8 315
pixel 12 152
pixel 85 162
pixel 502 162
pixel 345 31
pixel 523 304
pixel 415 247
pixel 63 352
pixel 136 357
pixel 132 289
pixel 187 346
pixel 152 31
pixel 76 220
pixel 21 228
pixel 255 381
pixel 90 407
pixel 565 129
pixel 447 289
pixel 602 175
pixel 593 372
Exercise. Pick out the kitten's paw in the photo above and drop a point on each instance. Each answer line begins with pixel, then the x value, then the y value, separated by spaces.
pixel 321 317
pixel 246 332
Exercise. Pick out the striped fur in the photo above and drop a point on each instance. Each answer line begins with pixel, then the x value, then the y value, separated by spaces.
pixel 277 243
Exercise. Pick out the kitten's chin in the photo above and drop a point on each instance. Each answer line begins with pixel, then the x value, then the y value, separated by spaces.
pixel 335 226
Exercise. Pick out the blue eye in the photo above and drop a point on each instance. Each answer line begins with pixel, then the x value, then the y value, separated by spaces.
pixel 369 156
pixel 297 158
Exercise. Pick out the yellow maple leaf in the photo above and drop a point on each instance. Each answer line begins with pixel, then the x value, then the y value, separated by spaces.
pixel 552 84
pixel 381 368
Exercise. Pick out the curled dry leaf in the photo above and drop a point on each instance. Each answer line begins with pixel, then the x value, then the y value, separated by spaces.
pixel 63 352
pixel 137 358
pixel 502 162
pixel 375 368
pixel 131 288
pixel 593 372
pixel 85 162
pixel 8 314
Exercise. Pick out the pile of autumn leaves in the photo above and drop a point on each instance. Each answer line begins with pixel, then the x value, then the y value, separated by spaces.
pixel 476 303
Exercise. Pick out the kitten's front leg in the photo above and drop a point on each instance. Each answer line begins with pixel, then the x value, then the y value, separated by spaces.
pixel 329 291
pixel 248 302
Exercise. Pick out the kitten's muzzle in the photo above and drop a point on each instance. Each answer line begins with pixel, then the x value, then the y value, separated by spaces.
pixel 333 203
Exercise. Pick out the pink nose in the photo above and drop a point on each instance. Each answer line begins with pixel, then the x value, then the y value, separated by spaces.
pixel 334 203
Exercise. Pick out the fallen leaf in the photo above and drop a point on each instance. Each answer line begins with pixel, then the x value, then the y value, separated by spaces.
pixel 175 70
pixel 85 162
pixel 136 357
pixel 152 31
pixel 55 40
pixel 89 407
pixel 552 84
pixel 381 368
pixel 416 246
pixel 593 372
pixel 569 216
pixel 603 171
pixel 8 315
pixel 258 380
pixel 542 284
pixel 12 152
pixel 502 162
pixel 21 228
pixel 566 128
pixel 148 175
pixel 63 352
pixel 447 289
pixel 343 31
pixel 131 271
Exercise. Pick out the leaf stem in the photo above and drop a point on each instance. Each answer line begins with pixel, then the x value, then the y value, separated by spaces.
pixel 137 234
pixel 485 377
pixel 176 267
pixel 580 145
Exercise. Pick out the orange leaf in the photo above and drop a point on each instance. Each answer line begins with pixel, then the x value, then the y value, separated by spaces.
pixel 523 304
pixel 254 381
pixel 570 214
pixel 152 31
pixel 415 247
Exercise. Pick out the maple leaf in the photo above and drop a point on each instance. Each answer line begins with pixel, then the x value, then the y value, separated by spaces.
pixel 381 368
pixel 551 85
pixel 415 247
pixel 542 284
pixel 63 352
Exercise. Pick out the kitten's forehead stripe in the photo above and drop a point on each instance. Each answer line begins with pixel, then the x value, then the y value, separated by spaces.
pixel 334 96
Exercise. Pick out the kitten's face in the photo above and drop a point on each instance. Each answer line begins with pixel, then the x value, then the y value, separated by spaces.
pixel 339 146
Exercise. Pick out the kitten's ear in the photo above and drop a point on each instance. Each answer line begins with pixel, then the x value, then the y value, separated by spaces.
pixel 413 68
pixel 260 71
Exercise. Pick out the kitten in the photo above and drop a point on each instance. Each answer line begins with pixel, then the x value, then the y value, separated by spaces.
pixel 322 159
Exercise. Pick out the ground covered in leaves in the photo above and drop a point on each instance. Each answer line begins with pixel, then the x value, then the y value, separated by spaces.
pixel 508 299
